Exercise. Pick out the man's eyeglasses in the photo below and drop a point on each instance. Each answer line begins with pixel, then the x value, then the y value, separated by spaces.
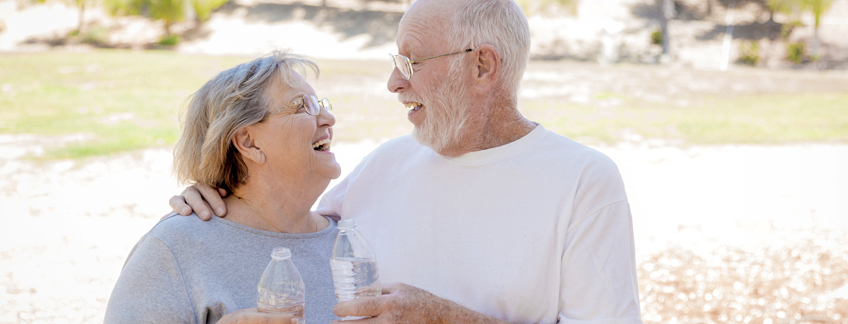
pixel 404 64
pixel 310 103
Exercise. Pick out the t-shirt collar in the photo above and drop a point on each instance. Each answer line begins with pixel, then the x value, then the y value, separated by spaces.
pixel 503 151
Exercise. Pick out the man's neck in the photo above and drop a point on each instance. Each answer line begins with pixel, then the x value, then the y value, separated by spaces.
pixel 503 126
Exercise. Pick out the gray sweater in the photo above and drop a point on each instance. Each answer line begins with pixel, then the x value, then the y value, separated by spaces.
pixel 189 271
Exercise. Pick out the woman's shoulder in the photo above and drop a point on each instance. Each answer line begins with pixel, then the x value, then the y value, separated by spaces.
pixel 175 228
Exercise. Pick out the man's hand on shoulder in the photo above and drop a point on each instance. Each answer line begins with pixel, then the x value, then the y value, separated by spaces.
pixel 402 303
pixel 201 199
pixel 253 316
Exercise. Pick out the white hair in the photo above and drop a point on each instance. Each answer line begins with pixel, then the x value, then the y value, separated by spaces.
pixel 499 23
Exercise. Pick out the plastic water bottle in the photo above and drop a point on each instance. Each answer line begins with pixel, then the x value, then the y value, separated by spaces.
pixel 354 265
pixel 281 288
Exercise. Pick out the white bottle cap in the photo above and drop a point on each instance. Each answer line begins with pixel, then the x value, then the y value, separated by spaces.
pixel 281 253
pixel 346 224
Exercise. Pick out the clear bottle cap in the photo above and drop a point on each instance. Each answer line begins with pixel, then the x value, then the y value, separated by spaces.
pixel 281 253
pixel 346 224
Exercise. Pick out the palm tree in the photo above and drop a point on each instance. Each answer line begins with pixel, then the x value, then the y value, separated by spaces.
pixel 531 5
pixel 818 8
pixel 80 4
pixel 782 6
pixel 169 11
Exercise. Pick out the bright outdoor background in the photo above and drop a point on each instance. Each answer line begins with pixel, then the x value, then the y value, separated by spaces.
pixel 733 145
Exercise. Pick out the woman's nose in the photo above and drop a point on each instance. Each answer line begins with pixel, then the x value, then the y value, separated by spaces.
pixel 326 118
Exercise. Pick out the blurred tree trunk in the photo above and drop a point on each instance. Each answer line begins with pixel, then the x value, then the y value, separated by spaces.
pixel 818 8
pixel 667 14
pixel 81 21
pixel 709 7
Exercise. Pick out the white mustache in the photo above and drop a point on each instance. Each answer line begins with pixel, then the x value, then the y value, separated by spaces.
pixel 407 99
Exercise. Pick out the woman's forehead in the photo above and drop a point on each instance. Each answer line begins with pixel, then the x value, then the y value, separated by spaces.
pixel 292 88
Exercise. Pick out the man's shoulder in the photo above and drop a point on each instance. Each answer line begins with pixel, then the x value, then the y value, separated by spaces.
pixel 402 147
pixel 566 149
pixel 398 144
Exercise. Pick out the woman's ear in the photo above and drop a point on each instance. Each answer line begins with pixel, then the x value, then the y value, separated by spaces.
pixel 248 145
pixel 487 67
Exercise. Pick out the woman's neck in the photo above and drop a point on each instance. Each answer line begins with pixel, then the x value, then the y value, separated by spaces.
pixel 269 207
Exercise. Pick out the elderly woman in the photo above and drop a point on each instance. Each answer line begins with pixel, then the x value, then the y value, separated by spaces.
pixel 258 131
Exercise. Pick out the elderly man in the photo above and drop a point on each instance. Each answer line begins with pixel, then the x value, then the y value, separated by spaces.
pixel 485 215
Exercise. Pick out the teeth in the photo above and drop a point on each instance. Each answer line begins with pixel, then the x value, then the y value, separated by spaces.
pixel 320 143
pixel 413 106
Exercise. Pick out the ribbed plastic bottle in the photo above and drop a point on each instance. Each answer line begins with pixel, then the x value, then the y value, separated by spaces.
pixel 354 265
pixel 281 288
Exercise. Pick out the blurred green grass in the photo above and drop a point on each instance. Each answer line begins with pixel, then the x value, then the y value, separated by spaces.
pixel 128 100
pixel 125 100
pixel 749 119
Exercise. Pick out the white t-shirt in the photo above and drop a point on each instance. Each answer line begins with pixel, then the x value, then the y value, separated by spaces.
pixel 534 231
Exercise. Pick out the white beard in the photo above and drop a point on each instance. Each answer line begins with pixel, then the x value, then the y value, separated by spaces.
pixel 447 112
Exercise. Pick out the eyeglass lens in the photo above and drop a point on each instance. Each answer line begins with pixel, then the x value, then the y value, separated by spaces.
pixel 326 104
pixel 402 64
pixel 313 105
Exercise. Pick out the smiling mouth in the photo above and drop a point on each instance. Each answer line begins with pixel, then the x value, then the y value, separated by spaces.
pixel 322 145
pixel 413 106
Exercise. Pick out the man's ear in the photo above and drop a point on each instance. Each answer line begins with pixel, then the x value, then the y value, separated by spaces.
pixel 487 67
pixel 248 145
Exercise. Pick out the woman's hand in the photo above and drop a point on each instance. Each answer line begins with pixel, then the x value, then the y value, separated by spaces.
pixel 202 199
pixel 253 316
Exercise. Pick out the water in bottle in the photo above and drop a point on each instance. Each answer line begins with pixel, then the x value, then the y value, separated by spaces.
pixel 281 288
pixel 354 265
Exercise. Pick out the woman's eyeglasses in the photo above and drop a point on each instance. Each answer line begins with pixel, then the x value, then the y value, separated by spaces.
pixel 310 103
pixel 404 64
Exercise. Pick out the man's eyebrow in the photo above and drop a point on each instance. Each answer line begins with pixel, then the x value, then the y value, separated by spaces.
pixel 409 46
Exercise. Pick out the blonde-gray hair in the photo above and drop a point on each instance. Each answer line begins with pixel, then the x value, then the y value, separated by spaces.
pixel 233 99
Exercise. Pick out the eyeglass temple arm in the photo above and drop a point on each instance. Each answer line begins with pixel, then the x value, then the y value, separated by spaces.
pixel 438 56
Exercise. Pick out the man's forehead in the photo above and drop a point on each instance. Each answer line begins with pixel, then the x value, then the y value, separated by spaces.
pixel 434 10
pixel 427 20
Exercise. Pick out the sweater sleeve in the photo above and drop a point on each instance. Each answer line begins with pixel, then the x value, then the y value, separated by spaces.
pixel 599 270
pixel 151 288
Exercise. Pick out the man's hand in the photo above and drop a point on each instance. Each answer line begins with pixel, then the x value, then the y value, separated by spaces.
pixel 402 303
pixel 202 199
pixel 253 316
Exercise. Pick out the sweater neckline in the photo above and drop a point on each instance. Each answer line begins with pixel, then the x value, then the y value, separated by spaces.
pixel 241 227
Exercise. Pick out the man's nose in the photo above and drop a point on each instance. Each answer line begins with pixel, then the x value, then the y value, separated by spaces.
pixel 396 82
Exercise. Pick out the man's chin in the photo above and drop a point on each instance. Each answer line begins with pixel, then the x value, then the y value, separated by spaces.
pixel 422 137
pixel 429 139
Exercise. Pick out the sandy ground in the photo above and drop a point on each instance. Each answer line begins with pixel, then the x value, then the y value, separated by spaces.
pixel 70 225
pixel 701 214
